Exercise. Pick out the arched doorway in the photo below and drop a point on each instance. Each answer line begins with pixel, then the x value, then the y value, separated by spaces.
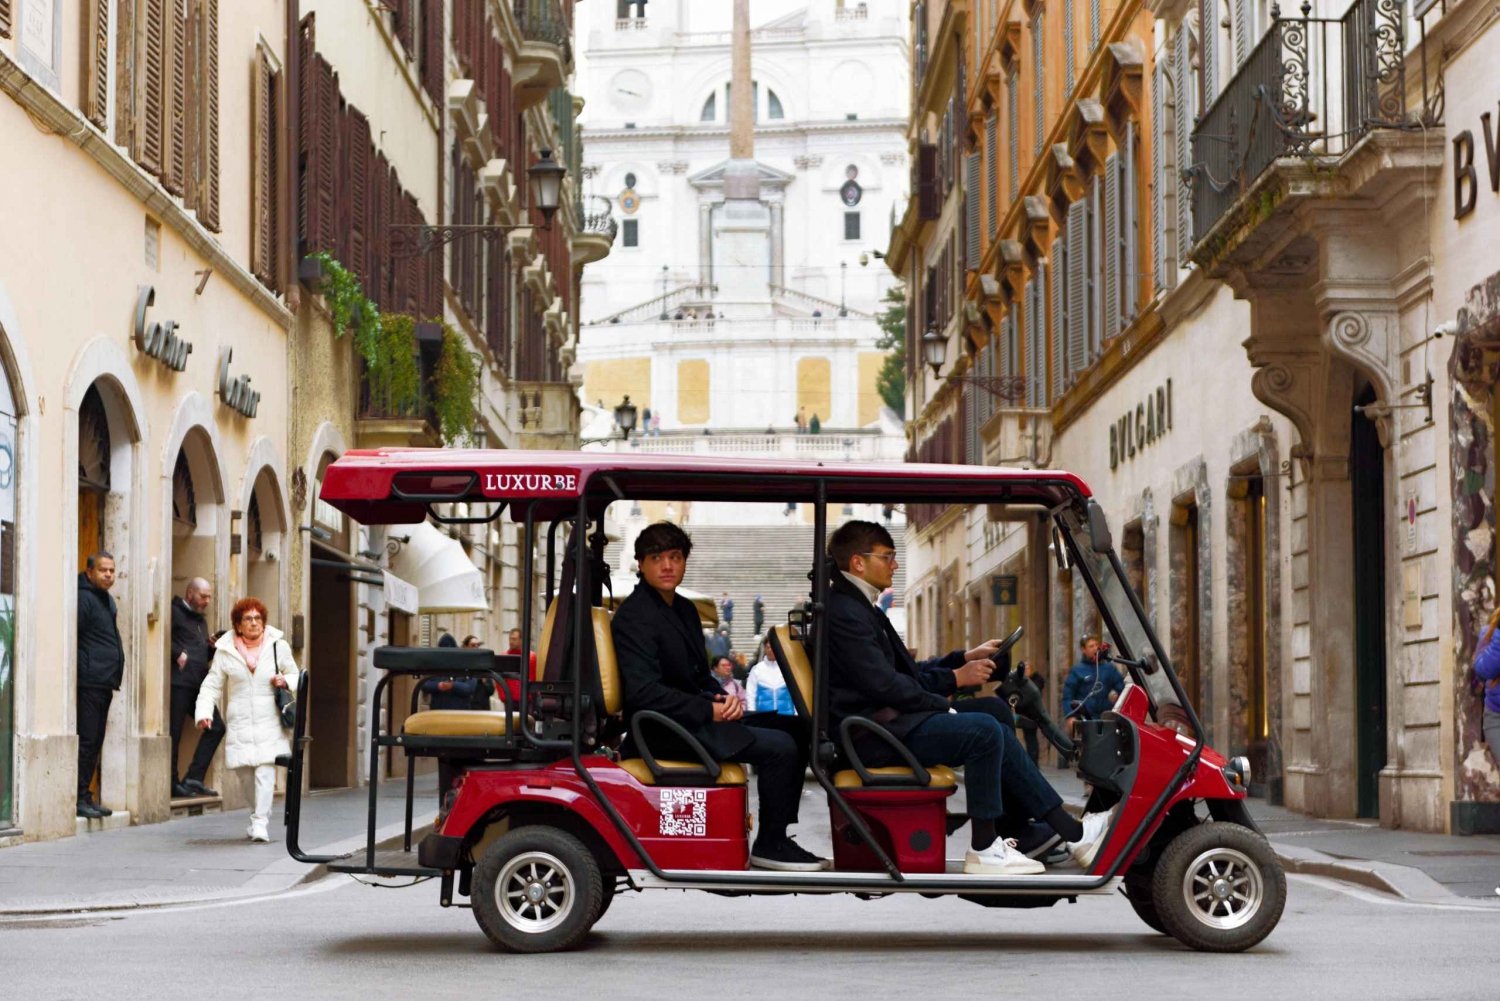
pixel 196 509
pixel 265 541
pixel 8 619
pixel 1367 493
pixel 105 476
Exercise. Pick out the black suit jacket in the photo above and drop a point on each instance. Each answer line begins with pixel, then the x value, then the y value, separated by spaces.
pixel 872 674
pixel 664 667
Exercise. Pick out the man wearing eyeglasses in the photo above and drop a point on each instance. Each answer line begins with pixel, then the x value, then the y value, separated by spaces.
pixel 873 675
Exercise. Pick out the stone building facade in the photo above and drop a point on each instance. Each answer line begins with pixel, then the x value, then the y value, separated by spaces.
pixel 1258 393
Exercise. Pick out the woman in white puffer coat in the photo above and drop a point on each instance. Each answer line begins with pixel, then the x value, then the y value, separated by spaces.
pixel 250 662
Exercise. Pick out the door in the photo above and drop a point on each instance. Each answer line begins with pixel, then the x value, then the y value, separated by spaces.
pixel 1367 485
pixel 331 678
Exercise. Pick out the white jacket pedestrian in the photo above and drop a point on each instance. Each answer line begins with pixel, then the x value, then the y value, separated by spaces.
pixel 246 660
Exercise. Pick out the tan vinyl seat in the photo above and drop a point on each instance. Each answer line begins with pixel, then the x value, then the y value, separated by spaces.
pixel 730 773
pixel 800 668
pixel 459 723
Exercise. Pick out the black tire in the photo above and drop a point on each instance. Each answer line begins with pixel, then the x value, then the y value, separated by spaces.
pixel 537 889
pixel 1138 889
pixel 1218 887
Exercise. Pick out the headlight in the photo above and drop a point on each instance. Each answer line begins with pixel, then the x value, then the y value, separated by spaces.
pixel 1237 771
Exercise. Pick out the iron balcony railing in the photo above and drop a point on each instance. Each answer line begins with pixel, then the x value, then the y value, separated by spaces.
pixel 1312 88
pixel 541 21
pixel 596 215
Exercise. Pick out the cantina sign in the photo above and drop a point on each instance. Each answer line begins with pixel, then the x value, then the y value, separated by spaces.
pixel 158 339
pixel 1151 419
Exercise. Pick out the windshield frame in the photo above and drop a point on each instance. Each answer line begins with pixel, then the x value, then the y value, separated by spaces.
pixel 1108 585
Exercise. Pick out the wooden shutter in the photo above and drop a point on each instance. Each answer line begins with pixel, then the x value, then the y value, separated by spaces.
pixel 929 197
pixel 1208 48
pixel 1039 85
pixel 1056 312
pixel 1182 127
pixel 1110 247
pixel 1076 308
pixel 1130 267
pixel 1070 53
pixel 1093 25
pixel 971 210
pixel 319 151
pixel 404 12
pixel 95 81
pixel 971 451
pixel 1013 136
pixel 1239 11
pixel 991 174
pixel 354 140
pixel 1160 253
pixel 434 50
pixel 154 73
pixel 5 18
pixel 263 172
pixel 174 129
pixel 1094 274
pixel 208 196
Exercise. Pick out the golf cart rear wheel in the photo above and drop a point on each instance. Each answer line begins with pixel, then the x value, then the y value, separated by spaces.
pixel 537 889
pixel 1218 887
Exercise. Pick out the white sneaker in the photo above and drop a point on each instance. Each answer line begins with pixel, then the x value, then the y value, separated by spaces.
pixel 1001 859
pixel 1094 827
pixel 257 832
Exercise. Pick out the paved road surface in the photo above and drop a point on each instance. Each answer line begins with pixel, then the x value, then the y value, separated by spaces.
pixel 336 939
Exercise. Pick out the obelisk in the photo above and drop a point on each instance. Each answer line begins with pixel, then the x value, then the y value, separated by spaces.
pixel 742 223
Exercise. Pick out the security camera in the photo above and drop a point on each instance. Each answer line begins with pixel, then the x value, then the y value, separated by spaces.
pixel 1448 328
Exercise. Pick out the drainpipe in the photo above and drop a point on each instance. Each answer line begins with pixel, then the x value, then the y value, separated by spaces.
pixel 291 93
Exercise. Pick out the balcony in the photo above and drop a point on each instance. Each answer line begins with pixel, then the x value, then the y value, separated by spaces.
pixel 545 54
pixel 596 230
pixel 547 414
pixel 1302 106
pixel 383 425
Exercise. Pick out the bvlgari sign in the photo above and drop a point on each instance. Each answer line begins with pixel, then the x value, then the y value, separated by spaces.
pixel 158 339
pixel 1151 419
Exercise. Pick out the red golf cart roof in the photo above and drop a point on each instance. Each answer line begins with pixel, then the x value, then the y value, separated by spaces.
pixel 394 486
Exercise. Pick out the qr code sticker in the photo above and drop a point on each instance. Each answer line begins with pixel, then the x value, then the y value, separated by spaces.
pixel 684 813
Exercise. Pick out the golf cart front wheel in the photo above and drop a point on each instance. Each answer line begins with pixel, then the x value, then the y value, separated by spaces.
pixel 1218 887
pixel 537 889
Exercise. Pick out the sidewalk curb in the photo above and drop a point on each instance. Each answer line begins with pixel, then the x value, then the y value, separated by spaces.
pixel 1401 881
pixel 284 874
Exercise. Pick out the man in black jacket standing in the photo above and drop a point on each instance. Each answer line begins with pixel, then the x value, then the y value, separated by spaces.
pixel 874 676
pixel 101 668
pixel 191 651
pixel 664 667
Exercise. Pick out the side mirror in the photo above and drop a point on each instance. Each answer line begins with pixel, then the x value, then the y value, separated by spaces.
pixel 1099 536
pixel 1060 549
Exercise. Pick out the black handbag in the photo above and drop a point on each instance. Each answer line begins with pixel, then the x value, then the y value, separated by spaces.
pixel 286 701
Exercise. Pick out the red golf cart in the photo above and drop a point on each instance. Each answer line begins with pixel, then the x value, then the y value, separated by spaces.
pixel 549 823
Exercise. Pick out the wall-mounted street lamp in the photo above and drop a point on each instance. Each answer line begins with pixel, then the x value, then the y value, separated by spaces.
pixel 934 350
pixel 545 175
pixel 625 415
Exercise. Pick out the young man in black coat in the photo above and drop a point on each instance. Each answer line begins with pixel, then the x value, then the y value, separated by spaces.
pixel 101 668
pixel 873 675
pixel 191 652
pixel 664 667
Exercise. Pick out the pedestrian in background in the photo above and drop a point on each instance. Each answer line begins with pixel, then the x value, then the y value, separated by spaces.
pixel 758 614
pixel 765 689
pixel 1487 673
pixel 191 648
pixel 101 667
pixel 724 674
pixel 814 426
pixel 727 612
pixel 251 661
pixel 451 692
pixel 886 600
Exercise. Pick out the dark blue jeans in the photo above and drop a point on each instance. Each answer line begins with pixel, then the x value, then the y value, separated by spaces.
pixel 973 740
pixel 1026 792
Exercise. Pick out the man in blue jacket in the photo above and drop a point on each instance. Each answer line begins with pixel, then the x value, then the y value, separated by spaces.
pixel 101 667
pixel 1093 684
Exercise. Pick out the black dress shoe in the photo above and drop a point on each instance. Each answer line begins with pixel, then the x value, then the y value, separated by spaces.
pixel 197 788
pixel 104 811
pixel 181 791
pixel 87 809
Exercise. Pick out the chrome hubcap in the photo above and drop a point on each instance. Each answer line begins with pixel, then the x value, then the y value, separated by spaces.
pixel 1223 888
pixel 535 892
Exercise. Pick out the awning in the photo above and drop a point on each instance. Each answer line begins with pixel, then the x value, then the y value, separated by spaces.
pixel 445 579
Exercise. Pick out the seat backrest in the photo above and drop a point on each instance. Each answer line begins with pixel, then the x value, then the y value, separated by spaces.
pixel 546 639
pixel 609 667
pixel 796 668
